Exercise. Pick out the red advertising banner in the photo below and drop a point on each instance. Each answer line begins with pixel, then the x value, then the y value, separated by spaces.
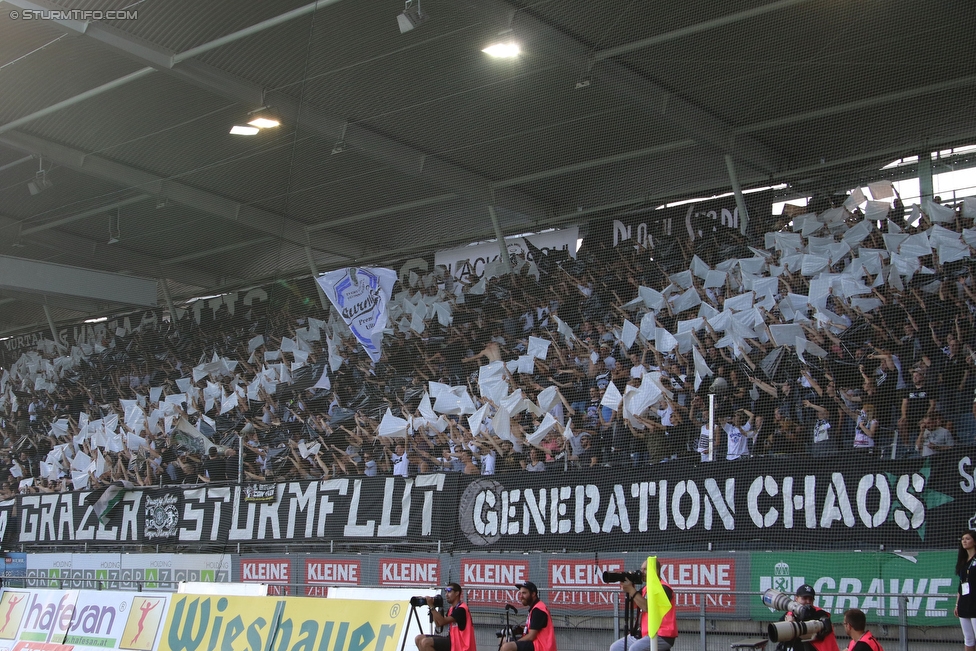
pixel 410 571
pixel 578 583
pixel 491 582
pixel 320 574
pixel 689 575
pixel 276 572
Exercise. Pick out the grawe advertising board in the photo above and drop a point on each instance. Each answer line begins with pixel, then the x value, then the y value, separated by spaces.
pixel 201 623
pixel 81 620
pixel 925 578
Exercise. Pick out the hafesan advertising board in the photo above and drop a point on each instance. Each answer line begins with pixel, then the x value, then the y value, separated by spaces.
pixel 81 620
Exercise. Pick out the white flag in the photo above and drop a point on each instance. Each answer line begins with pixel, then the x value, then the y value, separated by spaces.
pixel 360 295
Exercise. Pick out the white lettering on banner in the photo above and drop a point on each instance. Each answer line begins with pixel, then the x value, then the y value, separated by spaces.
pixel 467 263
pixel 317 501
pixel 403 571
pixel 492 581
pixel 789 502
pixel 697 223
pixel 926 596
pixel 482 573
pixel 52 518
pixel 583 573
pixel 968 474
pixel 332 572
pixel 688 576
pixel 266 570
pixel 623 232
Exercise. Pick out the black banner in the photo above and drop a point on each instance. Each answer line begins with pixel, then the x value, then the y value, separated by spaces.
pixel 850 501
pixel 711 220
pixel 353 510
pixel 844 502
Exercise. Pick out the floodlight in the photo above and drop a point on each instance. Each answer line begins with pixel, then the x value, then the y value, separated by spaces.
pixel 411 17
pixel 264 118
pixel 239 130
pixel 40 183
pixel 508 50
pixel 264 123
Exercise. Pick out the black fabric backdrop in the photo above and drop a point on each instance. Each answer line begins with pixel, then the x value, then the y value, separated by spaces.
pixel 849 501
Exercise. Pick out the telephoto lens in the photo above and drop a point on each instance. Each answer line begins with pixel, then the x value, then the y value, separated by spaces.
pixel 786 631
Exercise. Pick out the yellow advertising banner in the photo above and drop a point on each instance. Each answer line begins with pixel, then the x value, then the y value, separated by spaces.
pixel 210 622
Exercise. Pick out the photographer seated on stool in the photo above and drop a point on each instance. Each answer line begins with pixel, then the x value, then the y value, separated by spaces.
pixel 823 641
pixel 668 632
pixel 460 635
pixel 538 633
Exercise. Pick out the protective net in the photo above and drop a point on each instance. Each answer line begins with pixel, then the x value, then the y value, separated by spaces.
pixel 768 389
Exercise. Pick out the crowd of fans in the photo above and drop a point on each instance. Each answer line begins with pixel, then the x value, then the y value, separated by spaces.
pixel 879 362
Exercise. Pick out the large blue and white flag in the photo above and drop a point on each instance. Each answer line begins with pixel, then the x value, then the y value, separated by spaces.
pixel 360 295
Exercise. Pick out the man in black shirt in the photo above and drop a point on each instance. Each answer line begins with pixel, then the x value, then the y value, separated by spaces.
pixel 918 402
pixel 215 466
pixel 458 618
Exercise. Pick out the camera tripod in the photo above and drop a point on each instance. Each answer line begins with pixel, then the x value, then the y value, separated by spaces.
pixel 630 621
pixel 413 614
pixel 507 634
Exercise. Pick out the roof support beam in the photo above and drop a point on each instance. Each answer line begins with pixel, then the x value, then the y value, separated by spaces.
pixel 866 102
pixel 703 26
pixel 252 217
pixel 80 305
pixel 17 274
pixel 115 255
pixel 644 93
pixel 98 210
pixel 400 156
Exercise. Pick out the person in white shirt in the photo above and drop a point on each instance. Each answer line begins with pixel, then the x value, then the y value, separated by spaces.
pixel 737 432
pixel 866 427
pixel 933 437
pixel 488 463
pixel 400 462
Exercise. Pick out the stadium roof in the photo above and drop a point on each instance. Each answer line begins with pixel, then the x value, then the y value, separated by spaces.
pixel 116 126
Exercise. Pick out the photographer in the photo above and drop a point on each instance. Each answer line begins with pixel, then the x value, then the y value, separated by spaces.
pixel 668 631
pixel 460 635
pixel 539 635
pixel 823 641
pixel 856 625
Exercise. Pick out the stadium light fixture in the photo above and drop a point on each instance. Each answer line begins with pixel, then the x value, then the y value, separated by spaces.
pixel 411 17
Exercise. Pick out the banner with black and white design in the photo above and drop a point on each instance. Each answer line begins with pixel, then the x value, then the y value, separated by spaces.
pixel 839 502
pixel 843 502
pixel 350 509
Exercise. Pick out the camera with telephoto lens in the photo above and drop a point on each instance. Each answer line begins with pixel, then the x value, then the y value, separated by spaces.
pixel 618 577
pixel 422 601
pixel 805 625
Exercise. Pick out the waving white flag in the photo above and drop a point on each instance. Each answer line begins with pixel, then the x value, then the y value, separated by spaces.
pixel 360 295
